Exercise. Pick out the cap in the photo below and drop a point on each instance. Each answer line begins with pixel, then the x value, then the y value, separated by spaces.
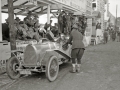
pixel 21 22
pixel 17 19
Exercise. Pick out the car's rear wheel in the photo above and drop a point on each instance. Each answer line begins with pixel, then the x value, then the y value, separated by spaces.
pixel 52 68
pixel 11 68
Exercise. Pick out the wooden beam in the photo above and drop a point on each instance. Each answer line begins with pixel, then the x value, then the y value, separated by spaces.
pixel 22 6
pixel 36 9
pixel 45 12
pixel 24 3
pixel 18 6
pixel 23 11
pixel 54 13
pixel 11 25
pixel 43 2
pixel 41 11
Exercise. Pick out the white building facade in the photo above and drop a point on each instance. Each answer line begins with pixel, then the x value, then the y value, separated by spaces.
pixel 98 7
pixel 88 32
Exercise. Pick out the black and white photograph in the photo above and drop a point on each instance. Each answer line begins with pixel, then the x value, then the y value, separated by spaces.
pixel 60 45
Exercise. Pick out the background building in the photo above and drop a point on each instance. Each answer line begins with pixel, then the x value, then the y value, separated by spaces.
pixel 118 22
pixel 109 19
pixel 88 32
pixel 98 7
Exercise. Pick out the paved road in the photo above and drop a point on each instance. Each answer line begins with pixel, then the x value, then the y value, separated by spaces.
pixel 100 71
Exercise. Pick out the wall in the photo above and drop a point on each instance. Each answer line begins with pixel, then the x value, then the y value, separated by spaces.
pixel 77 4
pixel 0 23
pixel 88 32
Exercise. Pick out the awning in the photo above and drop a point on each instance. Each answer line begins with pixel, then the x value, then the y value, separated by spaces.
pixel 78 13
pixel 21 7
pixel 96 14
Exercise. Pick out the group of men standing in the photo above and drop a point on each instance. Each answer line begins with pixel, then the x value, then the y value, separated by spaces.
pixel 67 20
pixel 113 35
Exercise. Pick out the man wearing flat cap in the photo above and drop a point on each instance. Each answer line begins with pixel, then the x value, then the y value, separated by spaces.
pixel 76 38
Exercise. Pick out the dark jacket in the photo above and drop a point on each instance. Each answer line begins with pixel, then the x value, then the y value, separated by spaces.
pixel 5 31
pixel 77 39
pixel 106 34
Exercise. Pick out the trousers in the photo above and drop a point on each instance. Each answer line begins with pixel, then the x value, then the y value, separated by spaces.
pixel 76 54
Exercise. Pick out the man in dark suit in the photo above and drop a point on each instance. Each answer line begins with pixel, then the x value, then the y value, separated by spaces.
pixel 105 36
pixel 5 30
pixel 76 38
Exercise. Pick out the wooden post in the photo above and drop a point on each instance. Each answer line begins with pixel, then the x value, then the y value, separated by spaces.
pixel 11 25
pixel 116 19
pixel 48 15
pixel 0 23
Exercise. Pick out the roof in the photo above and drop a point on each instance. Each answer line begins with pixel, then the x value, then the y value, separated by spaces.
pixel 21 7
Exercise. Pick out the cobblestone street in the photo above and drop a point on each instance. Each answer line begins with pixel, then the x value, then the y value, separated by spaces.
pixel 100 71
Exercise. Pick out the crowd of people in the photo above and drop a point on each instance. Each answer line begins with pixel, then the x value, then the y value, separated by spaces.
pixel 114 35
pixel 29 28
pixel 26 29
pixel 67 20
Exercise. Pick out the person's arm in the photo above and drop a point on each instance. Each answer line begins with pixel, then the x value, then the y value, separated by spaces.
pixel 46 26
pixel 70 39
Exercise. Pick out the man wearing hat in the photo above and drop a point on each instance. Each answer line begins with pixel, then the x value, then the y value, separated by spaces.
pixel 76 38
pixel 17 19
pixel 105 36
pixel 5 30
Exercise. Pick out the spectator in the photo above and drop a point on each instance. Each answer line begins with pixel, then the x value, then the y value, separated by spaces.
pixel 17 19
pixel 18 33
pixel 118 36
pixel 113 35
pixel 5 30
pixel 61 22
pixel 55 30
pixel 105 36
pixel 29 32
pixel 29 21
pixel 48 25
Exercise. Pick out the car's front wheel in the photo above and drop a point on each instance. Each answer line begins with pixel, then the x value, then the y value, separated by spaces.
pixel 52 68
pixel 11 68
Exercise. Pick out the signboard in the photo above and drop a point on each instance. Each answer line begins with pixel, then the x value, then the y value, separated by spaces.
pixel 76 4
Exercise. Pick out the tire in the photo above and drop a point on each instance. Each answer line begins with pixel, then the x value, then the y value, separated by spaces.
pixel 12 64
pixel 52 68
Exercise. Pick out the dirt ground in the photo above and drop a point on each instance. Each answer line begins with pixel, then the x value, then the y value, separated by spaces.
pixel 100 70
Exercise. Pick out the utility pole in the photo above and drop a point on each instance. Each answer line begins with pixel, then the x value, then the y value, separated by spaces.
pixel 116 19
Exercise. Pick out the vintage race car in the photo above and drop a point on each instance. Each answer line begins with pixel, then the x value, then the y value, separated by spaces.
pixel 45 56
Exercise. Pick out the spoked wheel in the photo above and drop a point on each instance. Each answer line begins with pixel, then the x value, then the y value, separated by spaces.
pixel 52 68
pixel 12 64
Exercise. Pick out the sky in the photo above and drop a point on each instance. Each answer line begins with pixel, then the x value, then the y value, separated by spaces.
pixel 112 7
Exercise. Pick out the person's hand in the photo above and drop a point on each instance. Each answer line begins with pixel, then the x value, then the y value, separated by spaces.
pixel 65 46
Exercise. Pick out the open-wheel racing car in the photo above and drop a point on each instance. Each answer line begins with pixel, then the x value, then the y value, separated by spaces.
pixel 46 56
